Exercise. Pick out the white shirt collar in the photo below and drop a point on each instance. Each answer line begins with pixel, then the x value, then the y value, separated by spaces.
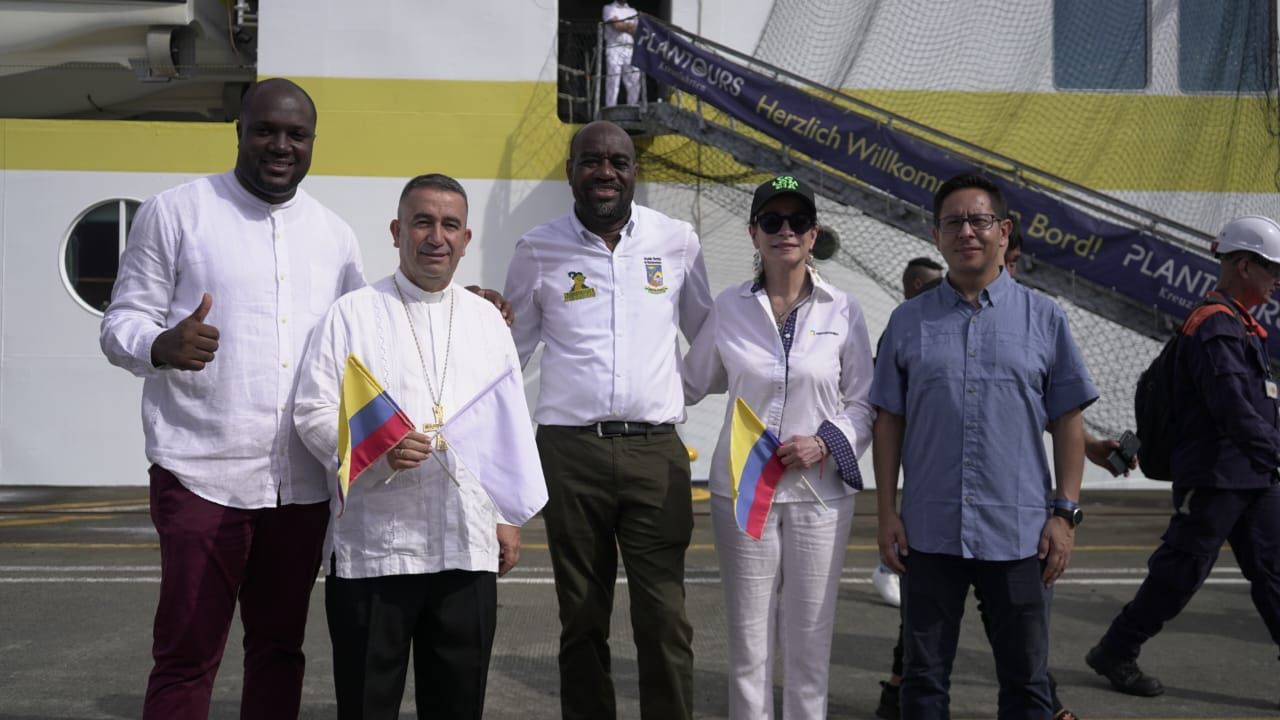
pixel 416 294
pixel 581 230
pixel 821 287
pixel 242 195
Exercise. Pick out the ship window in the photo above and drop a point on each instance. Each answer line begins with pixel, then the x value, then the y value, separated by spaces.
pixel 91 253
pixel 1225 46
pixel 1100 44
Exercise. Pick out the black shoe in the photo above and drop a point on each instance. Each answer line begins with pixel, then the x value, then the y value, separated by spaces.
pixel 1125 675
pixel 889 708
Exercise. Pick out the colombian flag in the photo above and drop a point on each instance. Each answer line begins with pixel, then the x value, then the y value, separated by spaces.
pixel 369 424
pixel 754 468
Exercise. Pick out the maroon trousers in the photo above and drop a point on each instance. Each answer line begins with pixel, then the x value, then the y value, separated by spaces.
pixel 210 556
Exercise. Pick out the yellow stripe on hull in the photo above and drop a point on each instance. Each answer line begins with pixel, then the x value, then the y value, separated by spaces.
pixel 509 131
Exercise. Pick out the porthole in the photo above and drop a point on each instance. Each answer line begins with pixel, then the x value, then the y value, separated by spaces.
pixel 91 252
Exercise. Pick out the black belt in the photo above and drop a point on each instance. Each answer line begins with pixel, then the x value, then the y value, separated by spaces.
pixel 623 428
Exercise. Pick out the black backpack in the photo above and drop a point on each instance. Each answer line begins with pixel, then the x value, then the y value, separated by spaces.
pixel 1153 406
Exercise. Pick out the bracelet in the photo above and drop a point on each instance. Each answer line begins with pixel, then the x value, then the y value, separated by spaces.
pixel 822 444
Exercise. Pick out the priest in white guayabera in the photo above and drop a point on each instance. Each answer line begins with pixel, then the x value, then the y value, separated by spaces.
pixel 415 547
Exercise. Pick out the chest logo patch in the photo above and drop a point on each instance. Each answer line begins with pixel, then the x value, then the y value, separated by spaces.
pixel 580 290
pixel 653 276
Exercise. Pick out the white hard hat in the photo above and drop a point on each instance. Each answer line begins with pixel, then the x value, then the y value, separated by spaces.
pixel 1255 233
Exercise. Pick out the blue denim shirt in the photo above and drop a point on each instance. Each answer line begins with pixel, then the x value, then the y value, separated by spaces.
pixel 977 387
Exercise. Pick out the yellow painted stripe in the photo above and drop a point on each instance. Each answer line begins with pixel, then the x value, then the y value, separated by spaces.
pixel 1118 141
pixel 46 520
pixel 702 547
pixel 380 128
pixel 77 506
pixel 509 131
pixel 77 546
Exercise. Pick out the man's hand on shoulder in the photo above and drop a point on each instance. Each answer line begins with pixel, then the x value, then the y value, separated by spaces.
pixel 508 548
pixel 498 301
pixel 1057 540
pixel 189 345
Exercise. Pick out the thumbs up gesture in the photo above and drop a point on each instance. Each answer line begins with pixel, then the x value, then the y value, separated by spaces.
pixel 190 344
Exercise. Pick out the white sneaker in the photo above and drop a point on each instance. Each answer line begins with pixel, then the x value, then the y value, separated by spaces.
pixel 886 582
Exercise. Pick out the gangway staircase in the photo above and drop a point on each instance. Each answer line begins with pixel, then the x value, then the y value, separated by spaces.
pixel 677 110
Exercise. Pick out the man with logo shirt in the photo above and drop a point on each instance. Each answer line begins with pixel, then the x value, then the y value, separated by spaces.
pixel 969 376
pixel 219 286
pixel 605 288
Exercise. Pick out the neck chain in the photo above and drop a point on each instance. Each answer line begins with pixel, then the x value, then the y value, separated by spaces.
pixel 437 407
pixel 780 319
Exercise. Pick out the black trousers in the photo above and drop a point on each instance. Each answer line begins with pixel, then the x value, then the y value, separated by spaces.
pixel 448 618
pixel 1204 518
pixel 1016 605
pixel 630 494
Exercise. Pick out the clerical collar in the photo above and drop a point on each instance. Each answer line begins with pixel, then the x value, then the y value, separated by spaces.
pixel 415 293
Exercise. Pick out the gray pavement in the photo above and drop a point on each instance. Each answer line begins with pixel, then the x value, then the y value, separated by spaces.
pixel 79 572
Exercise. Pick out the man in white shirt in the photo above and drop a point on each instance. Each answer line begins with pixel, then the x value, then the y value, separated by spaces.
pixel 619 40
pixel 219 286
pixel 605 289
pixel 414 556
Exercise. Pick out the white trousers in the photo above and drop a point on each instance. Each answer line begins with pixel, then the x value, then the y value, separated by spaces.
pixel 784 583
pixel 618 61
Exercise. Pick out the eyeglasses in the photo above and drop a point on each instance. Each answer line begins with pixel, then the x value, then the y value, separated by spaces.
pixel 771 222
pixel 951 224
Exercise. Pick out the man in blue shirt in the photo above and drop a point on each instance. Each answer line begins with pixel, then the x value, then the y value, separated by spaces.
pixel 1225 458
pixel 970 375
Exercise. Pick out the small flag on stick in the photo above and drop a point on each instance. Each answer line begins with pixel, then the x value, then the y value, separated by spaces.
pixel 754 468
pixel 369 424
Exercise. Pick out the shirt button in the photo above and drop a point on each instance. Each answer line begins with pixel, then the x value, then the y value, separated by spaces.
pixel 284 321
pixel 973 319
pixel 968 462
pixel 972 389
pixel 968 499
pixel 284 364
pixel 971 425
pixel 281 276
pixel 973 353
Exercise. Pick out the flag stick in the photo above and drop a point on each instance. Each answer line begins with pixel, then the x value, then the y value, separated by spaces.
pixel 442 465
pixel 817 497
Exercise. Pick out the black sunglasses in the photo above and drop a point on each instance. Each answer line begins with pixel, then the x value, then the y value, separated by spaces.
pixel 771 222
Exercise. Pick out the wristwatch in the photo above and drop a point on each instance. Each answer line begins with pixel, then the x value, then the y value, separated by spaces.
pixel 1068 510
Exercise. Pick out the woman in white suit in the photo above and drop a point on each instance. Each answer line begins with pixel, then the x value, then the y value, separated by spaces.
pixel 796 350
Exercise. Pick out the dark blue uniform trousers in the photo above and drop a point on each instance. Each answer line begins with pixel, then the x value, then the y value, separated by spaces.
pixel 1203 519
pixel 1016 603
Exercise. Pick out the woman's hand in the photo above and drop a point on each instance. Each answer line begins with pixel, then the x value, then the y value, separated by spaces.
pixel 802 451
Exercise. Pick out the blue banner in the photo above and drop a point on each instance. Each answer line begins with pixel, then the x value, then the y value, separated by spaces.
pixel 1133 263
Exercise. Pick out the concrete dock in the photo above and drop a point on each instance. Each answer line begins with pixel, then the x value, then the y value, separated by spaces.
pixel 79 574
